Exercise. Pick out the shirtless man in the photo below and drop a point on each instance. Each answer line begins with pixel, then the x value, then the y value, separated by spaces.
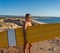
pixel 26 24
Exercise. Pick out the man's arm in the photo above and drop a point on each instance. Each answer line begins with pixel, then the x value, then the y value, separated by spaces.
pixel 24 31
pixel 25 26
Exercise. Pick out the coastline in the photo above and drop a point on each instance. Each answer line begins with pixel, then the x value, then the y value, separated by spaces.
pixel 39 22
pixel 14 23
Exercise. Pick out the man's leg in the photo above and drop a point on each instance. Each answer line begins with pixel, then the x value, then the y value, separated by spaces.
pixel 30 46
pixel 24 48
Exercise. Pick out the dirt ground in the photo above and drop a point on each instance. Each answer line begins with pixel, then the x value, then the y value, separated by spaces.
pixel 48 46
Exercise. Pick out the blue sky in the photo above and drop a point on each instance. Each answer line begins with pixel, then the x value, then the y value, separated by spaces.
pixel 34 7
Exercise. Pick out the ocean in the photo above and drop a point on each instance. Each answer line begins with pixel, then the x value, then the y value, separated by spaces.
pixel 48 20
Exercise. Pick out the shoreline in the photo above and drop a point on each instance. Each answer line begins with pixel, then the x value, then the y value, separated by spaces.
pixel 39 22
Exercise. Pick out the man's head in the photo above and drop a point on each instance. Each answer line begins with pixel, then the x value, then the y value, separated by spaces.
pixel 28 17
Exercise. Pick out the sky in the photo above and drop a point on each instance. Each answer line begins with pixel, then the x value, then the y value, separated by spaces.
pixel 34 7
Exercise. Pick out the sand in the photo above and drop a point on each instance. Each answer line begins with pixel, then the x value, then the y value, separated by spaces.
pixel 39 22
pixel 48 46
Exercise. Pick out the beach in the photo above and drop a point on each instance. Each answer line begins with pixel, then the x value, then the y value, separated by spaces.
pixel 39 22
